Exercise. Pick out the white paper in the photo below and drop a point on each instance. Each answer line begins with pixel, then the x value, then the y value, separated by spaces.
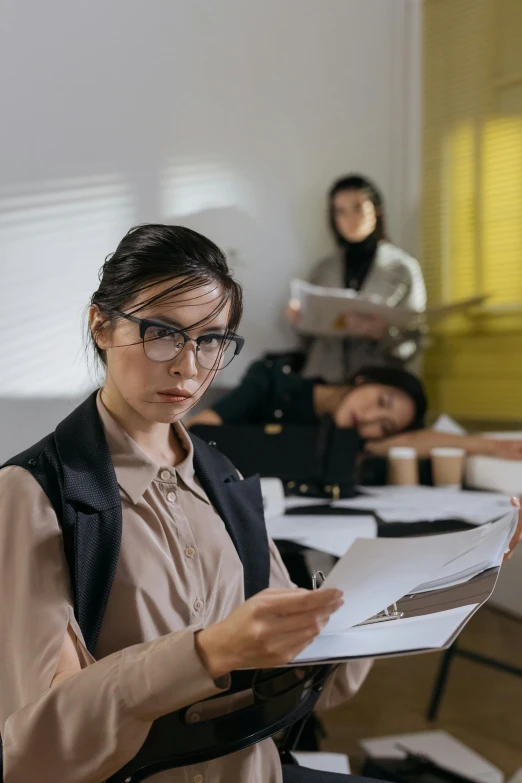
pixel 413 504
pixel 326 762
pixel 273 494
pixel 441 748
pixel 427 632
pixel 373 574
pixel 331 534
pixel 323 309
pixel 487 550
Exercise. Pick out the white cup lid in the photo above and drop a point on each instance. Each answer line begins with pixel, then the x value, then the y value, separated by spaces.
pixel 402 452
pixel 446 451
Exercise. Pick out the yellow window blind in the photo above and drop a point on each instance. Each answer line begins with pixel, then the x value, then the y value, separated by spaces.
pixel 472 203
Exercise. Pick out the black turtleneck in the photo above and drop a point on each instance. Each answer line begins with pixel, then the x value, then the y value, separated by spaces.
pixel 358 258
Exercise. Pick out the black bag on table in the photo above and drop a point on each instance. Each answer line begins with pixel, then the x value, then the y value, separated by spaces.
pixel 312 461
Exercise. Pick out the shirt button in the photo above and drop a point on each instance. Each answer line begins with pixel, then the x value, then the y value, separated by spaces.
pixel 198 778
pixel 287 369
pixel 198 604
pixel 278 414
pixel 171 497
pixel 190 551
pixel 195 718
pixel 165 475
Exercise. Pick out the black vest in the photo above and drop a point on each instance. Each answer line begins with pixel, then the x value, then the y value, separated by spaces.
pixel 74 468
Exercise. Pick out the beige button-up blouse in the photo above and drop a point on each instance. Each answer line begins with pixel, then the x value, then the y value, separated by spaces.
pixel 178 571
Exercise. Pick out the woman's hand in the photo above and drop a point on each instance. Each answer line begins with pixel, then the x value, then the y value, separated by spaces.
pixel 268 630
pixel 504 449
pixel 369 326
pixel 517 537
pixel 293 311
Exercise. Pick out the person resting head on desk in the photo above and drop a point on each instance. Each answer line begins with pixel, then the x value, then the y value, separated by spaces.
pixel 379 402
pixel 386 405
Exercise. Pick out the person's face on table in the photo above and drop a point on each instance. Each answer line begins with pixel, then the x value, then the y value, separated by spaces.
pixel 375 411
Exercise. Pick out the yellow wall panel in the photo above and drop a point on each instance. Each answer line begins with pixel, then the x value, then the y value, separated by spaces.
pixel 472 203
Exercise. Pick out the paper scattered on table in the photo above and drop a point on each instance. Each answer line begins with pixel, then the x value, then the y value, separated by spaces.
pixel 331 534
pixel 414 504
pixel 431 631
pixel 441 748
pixel 326 762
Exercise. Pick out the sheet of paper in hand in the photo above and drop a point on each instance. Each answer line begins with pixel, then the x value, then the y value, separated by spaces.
pixel 323 310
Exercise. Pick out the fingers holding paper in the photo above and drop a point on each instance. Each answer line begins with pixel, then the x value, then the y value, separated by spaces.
pixel 268 630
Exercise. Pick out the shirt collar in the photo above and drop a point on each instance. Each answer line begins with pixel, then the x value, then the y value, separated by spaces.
pixel 135 470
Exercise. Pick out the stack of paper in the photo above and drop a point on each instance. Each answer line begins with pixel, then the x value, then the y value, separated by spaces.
pixel 414 504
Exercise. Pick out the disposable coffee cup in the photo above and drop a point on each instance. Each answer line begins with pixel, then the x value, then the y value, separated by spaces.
pixel 447 466
pixel 403 468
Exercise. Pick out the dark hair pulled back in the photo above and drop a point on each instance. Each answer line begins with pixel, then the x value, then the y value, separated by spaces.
pixel 153 253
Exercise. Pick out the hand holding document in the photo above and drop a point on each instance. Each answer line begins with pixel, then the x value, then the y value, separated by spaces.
pixel 446 571
pixel 323 312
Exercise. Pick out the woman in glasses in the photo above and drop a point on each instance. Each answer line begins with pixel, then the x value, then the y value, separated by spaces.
pixel 122 578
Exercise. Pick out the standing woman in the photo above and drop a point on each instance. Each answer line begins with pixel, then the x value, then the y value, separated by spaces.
pixel 365 261
pixel 133 558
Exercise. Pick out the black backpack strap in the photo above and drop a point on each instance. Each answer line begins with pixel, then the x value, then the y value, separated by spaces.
pixel 240 505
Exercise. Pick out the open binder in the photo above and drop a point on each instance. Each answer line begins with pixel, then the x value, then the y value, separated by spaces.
pixel 461 576
pixel 323 310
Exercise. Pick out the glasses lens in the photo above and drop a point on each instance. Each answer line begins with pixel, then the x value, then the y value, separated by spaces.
pixel 215 352
pixel 161 344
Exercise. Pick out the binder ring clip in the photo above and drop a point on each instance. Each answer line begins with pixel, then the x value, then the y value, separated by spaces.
pixel 314 578
pixel 390 613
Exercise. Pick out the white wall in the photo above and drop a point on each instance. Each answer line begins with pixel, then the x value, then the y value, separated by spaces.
pixel 232 117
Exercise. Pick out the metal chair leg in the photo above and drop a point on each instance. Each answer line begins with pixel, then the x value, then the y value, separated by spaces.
pixel 440 682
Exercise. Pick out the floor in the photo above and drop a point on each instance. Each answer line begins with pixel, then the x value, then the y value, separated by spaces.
pixel 481 707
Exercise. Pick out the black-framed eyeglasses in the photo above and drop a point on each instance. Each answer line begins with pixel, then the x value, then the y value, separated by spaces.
pixel 163 343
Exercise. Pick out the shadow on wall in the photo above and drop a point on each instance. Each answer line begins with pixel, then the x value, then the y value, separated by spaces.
pixel 25 421
pixel 263 271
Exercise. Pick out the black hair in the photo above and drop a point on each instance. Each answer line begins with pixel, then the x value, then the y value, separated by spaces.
pixel 399 379
pixel 357 182
pixel 154 253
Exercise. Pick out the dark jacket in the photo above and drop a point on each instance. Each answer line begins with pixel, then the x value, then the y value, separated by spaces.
pixel 270 392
